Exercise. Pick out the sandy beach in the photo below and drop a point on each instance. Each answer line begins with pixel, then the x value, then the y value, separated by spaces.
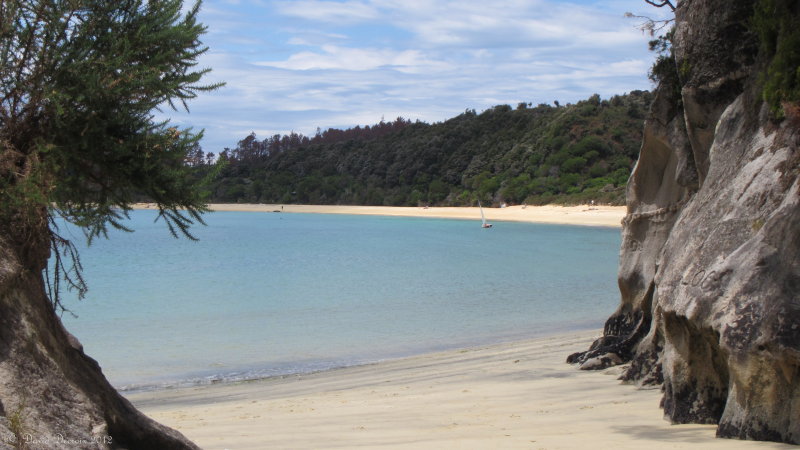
pixel 605 216
pixel 608 216
pixel 519 395
pixel 506 396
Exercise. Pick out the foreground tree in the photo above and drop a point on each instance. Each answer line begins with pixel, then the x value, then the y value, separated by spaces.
pixel 79 81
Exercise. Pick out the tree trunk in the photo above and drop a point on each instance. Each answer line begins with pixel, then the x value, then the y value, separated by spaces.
pixel 52 395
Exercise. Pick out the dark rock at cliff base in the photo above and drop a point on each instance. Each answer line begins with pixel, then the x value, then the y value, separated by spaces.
pixel 709 270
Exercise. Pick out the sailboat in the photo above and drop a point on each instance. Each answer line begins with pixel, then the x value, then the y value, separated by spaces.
pixel 483 218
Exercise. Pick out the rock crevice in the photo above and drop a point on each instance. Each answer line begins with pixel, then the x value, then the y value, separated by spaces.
pixel 710 260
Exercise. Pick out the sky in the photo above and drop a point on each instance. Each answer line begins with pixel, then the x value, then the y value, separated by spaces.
pixel 303 64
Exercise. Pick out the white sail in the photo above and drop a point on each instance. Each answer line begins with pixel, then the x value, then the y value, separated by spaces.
pixel 483 218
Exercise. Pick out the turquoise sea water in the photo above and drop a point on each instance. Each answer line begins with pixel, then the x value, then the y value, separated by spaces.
pixel 264 294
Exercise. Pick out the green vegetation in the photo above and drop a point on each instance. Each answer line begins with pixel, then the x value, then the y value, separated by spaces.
pixel 777 23
pixel 534 155
pixel 16 425
pixel 78 83
pixel 664 71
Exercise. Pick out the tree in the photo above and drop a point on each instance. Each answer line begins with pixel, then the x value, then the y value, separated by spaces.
pixel 653 26
pixel 79 81
pixel 778 30
pixel 664 70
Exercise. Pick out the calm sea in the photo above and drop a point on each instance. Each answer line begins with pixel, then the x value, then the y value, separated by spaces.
pixel 265 294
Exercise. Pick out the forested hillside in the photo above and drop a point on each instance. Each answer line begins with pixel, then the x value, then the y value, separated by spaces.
pixel 534 155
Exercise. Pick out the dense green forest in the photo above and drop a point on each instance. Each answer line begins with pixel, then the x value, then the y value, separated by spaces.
pixel 534 155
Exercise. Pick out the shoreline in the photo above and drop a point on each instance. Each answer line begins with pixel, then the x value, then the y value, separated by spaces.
pixel 584 215
pixel 508 395
pixel 258 374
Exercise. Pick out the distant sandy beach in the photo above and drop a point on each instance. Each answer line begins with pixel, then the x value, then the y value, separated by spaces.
pixel 519 395
pixel 507 396
pixel 606 216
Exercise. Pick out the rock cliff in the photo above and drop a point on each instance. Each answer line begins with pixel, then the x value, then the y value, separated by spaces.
pixel 709 270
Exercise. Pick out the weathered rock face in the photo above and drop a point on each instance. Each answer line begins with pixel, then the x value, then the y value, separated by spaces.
pixel 53 396
pixel 710 262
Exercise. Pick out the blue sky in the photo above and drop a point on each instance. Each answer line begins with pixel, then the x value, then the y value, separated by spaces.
pixel 302 64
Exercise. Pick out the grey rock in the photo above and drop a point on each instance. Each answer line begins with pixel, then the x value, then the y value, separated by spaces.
pixel 709 270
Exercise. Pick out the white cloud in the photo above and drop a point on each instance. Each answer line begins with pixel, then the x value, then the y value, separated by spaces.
pixel 328 11
pixel 299 65
pixel 313 38
pixel 342 58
